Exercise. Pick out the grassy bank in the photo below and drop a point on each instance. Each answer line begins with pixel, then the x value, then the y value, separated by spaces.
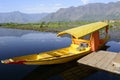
pixel 49 26
pixel 43 26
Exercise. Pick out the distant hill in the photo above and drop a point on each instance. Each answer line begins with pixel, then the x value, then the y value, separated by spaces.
pixel 18 17
pixel 89 12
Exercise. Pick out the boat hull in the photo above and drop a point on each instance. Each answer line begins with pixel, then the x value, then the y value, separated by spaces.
pixel 80 46
pixel 47 58
pixel 56 61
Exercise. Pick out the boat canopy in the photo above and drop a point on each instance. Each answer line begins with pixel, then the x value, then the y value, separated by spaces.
pixel 84 30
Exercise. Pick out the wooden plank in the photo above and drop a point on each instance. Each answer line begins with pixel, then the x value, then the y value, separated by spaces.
pixel 102 60
pixel 107 66
pixel 90 57
pixel 95 59
pixel 84 59
pixel 112 69
pixel 116 60
pixel 109 60
pixel 106 60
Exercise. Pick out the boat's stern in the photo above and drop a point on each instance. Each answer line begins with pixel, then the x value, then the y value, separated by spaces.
pixel 11 61
pixel 6 61
pixel 20 59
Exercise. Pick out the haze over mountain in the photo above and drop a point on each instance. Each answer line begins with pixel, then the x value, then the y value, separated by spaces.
pixel 18 17
pixel 89 12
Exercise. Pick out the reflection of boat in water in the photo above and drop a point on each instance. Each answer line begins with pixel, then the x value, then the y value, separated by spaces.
pixel 67 71
pixel 85 39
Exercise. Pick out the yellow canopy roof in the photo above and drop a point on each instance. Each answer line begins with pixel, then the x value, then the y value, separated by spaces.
pixel 84 30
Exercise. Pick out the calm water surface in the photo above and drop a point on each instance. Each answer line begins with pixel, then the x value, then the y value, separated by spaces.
pixel 15 42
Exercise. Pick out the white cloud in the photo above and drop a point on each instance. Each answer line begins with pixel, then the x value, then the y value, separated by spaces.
pixel 85 1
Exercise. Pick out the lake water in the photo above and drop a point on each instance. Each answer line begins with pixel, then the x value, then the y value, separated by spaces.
pixel 14 42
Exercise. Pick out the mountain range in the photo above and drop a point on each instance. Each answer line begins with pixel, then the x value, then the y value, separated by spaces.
pixel 18 17
pixel 88 12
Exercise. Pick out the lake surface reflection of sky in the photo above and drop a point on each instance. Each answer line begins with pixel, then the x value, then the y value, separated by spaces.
pixel 15 42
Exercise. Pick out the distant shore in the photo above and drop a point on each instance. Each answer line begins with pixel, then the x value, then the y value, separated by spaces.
pixel 50 26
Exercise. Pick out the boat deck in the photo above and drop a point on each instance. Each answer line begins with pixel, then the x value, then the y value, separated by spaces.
pixel 103 60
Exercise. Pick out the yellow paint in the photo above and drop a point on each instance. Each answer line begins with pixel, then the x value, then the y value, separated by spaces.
pixel 77 49
pixel 84 30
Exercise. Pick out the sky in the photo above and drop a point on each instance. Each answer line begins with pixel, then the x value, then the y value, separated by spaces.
pixel 43 6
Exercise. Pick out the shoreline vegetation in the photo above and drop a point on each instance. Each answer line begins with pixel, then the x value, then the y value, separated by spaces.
pixel 50 26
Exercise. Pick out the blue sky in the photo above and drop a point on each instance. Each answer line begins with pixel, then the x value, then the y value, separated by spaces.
pixel 40 6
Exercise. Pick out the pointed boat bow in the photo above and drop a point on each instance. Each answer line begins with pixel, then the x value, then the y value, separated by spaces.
pixel 11 61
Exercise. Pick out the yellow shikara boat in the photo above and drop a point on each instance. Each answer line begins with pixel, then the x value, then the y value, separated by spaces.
pixel 85 39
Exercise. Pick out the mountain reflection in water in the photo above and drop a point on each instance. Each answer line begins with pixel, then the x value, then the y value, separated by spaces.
pixel 15 42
